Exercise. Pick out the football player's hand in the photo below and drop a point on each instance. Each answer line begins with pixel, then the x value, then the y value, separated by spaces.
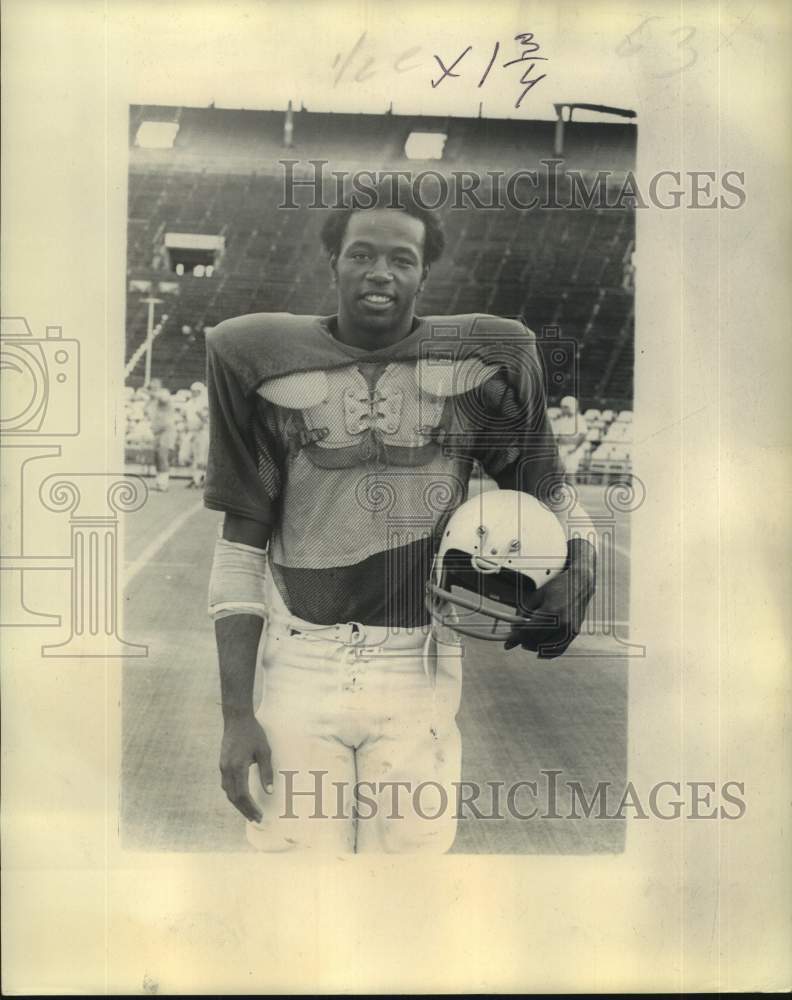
pixel 244 743
pixel 560 606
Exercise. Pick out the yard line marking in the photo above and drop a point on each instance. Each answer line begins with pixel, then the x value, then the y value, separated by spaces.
pixel 156 544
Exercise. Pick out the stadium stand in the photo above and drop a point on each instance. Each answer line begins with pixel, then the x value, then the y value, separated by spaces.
pixel 562 268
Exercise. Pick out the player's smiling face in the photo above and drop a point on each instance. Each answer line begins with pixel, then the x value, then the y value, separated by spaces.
pixel 379 272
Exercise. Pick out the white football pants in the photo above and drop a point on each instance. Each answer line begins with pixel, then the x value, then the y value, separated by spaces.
pixel 366 752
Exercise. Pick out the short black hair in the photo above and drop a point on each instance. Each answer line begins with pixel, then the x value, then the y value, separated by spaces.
pixel 384 196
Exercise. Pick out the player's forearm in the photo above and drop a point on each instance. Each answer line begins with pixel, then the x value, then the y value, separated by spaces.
pixel 582 556
pixel 238 604
pixel 581 541
pixel 238 638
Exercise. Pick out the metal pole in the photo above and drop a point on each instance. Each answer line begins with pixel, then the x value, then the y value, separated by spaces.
pixel 149 332
pixel 149 337
pixel 288 126
pixel 558 145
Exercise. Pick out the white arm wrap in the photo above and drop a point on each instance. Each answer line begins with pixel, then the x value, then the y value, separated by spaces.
pixel 237 585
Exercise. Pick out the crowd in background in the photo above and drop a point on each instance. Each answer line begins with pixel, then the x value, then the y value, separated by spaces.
pixel 594 444
pixel 171 430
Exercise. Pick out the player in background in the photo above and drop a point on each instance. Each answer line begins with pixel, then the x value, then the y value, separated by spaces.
pixel 161 416
pixel 570 431
pixel 324 433
pixel 196 445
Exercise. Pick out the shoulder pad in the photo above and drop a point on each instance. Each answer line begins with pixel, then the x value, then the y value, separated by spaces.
pixel 452 378
pixel 476 326
pixel 258 326
pixel 298 391
pixel 263 346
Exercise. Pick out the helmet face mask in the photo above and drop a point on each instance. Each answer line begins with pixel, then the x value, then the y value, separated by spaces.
pixel 497 551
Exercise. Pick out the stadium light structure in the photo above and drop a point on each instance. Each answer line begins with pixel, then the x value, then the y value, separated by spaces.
pixel 571 106
pixel 425 145
pixel 156 135
pixel 288 127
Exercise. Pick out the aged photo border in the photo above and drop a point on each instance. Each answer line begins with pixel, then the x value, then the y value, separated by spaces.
pixel 684 901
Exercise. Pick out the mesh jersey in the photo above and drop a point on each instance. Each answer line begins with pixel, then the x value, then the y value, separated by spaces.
pixel 356 458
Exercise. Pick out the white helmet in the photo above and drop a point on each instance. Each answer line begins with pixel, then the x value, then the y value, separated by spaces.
pixel 570 404
pixel 198 387
pixel 497 550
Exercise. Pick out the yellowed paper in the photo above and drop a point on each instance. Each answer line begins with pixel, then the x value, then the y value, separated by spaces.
pixel 93 903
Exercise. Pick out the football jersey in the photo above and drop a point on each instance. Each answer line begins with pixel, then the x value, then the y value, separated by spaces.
pixel 357 458
pixel 160 414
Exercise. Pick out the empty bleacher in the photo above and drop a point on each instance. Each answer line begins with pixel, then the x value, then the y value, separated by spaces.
pixel 560 268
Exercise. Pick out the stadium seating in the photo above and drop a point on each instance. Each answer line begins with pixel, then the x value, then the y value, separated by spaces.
pixel 606 452
pixel 563 269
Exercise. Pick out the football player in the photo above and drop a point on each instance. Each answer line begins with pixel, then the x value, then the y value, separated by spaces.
pixel 161 416
pixel 340 448
pixel 196 415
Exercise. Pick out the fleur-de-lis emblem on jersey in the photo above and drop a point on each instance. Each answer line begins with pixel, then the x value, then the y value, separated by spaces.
pixel 379 412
